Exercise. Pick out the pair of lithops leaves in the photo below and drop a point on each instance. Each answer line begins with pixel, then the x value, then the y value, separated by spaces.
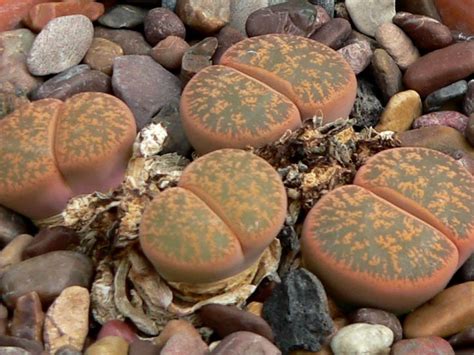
pixel 52 150
pixel 262 87
pixel 395 238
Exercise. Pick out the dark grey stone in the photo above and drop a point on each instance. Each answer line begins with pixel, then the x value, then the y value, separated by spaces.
pixel 367 107
pixel 436 99
pixel 328 5
pixel 468 104
pixel 297 310
pixel 123 16
pixel 132 42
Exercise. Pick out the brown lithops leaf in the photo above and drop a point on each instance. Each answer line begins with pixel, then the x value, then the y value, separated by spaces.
pixel 429 185
pixel 369 252
pixel 315 77
pixel 94 133
pixel 223 108
pixel 30 182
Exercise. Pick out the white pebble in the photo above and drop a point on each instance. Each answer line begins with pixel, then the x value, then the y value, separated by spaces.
pixel 362 339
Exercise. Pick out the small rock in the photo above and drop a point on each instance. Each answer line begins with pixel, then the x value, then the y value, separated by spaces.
pixel 169 52
pixel 356 36
pixel 327 5
pixel 388 75
pixel 334 33
pixel 362 339
pixel 142 347
pixel 123 16
pixel 32 346
pixel 11 225
pixel 204 16
pixel 48 275
pixel 241 10
pixel 144 85
pixel 175 327
pixel 117 328
pixel 438 98
pixel 51 239
pixel 378 316
pixel 182 344
pixel 67 319
pixel 442 118
pixel 400 112
pixel 397 44
pixel 463 339
pixel 297 310
pixel 12 253
pixel 425 345
pixel 469 132
pixel 245 343
pixel 67 350
pixel 293 17
pixel 425 32
pixel 468 104
pixel 197 57
pixel 60 45
pixel 467 269
pixel 50 85
pixel 225 39
pixel 358 55
pixel 419 7
pixel 101 55
pixel 13 350
pixel 28 318
pixel 111 345
pixel 161 23
pixel 448 313
pixel 440 68
pixel 226 320
pixel 13 11
pixel 132 42
pixel 368 15
pixel 367 107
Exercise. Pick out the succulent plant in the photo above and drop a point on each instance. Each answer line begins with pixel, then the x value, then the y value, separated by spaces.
pixel 395 238
pixel 228 207
pixel 254 96
pixel 51 151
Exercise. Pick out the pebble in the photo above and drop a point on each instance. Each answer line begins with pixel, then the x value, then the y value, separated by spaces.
pixel 467 269
pixel 169 52
pixel 117 328
pixel 101 55
pixel 425 32
pixel 400 112
pixel 425 345
pixel 387 74
pixel 111 345
pixel 225 39
pixel 297 310
pixel 367 107
pixel 143 347
pixel 334 33
pixel 327 5
pixel 144 85
pixel 48 275
pixel 50 85
pixel 28 318
pixel 468 104
pixel 51 239
pixel 397 44
pixel 378 316
pixel 440 68
pixel 173 327
pixel 41 14
pixel 12 253
pixel 131 42
pixel 67 350
pixel 241 10
pixel 419 7
pixel 442 118
pixel 245 343
pixel 176 141
pixel 197 57
pixel 204 16
pixel 368 15
pixel 60 45
pixel 463 339
pixel 457 15
pixel 13 350
pixel 67 319
pixel 358 55
pixel 13 12
pixel 32 346
pixel 356 36
pixel 469 132
pixel 160 23
pixel 438 98
pixel 183 344
pixel 298 18
pixel 11 225
pixel 123 16
pixel 362 339
pixel 448 313
pixel 226 320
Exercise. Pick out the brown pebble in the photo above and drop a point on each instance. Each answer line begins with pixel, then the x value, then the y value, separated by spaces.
pixel 101 55
pixel 225 39
pixel 143 347
pixel 182 344
pixel 197 57
pixel 161 23
pixel 51 239
pixel 28 317
pixel 174 327
pixel 388 75
pixel 334 33
pixel 358 55
pixel 12 253
pixel 169 52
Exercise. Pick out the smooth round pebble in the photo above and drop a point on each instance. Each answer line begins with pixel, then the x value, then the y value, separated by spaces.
pixel 60 45
pixel 438 98
pixel 160 23
pixel 452 119
pixel 423 346
pixel 368 15
pixel 132 42
pixel 110 345
pixel 169 52
pixel 51 239
pixel 118 328
pixel 378 316
pixel 334 33
pixel 101 55
pixel 245 343
pixel 123 16
pixel 387 74
pixel 362 339
pixel 400 112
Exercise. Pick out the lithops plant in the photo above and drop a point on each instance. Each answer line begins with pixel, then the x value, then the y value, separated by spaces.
pixel 395 238
pixel 264 86
pixel 228 207
pixel 51 151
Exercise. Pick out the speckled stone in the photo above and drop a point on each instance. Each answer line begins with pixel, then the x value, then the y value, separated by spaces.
pixel 367 107
pixel 60 45
pixel 160 23
pixel 424 345
pixel 101 55
pixel 358 55
pixel 468 104
pixel 400 112
pixel 368 15
pixel 452 119
pixel 123 16
pixel 438 98
pixel 132 42
pixel 388 75
pixel 334 33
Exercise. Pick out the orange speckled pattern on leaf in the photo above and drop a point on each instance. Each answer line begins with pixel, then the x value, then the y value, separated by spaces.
pixel 229 206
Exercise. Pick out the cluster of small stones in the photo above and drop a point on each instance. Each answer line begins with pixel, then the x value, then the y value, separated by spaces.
pixel 79 78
